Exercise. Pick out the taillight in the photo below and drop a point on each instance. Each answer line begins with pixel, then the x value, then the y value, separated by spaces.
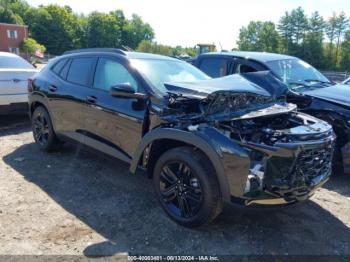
pixel 30 85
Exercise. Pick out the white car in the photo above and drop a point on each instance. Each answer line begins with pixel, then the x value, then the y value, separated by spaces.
pixel 14 75
pixel 346 81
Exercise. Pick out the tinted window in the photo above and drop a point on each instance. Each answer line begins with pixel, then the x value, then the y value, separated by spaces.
pixel 241 69
pixel 58 66
pixel 110 73
pixel 64 71
pixel 79 71
pixel 212 67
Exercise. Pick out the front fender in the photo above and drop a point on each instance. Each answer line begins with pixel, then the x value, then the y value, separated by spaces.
pixel 230 161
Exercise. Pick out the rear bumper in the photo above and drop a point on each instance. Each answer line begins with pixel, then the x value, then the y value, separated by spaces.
pixel 8 99
pixel 13 104
pixel 15 108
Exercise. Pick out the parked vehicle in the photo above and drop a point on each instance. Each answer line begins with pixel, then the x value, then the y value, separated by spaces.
pixel 346 81
pixel 14 75
pixel 309 89
pixel 203 141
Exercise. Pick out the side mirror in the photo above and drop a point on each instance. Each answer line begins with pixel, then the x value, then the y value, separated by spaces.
pixel 125 90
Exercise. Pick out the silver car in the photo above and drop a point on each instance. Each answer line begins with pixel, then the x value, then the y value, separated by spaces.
pixel 14 75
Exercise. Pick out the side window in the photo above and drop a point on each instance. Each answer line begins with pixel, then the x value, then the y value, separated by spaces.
pixel 79 71
pixel 64 70
pixel 109 73
pixel 242 68
pixel 213 67
pixel 58 66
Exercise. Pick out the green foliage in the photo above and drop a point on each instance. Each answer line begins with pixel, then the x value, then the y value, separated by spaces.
pixel 60 29
pixel 147 46
pixel 345 47
pixel 54 26
pixel 102 30
pixel 136 31
pixel 258 36
pixel 324 44
pixel 7 16
pixel 30 46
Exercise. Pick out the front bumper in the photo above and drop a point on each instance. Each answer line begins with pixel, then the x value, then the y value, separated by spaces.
pixel 291 172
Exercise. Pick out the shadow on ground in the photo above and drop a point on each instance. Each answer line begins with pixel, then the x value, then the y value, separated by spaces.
pixel 122 207
pixel 13 124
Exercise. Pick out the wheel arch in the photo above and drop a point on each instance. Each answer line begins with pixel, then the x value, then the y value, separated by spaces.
pixel 163 139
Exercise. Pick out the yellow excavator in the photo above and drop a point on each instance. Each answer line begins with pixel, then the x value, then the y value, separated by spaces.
pixel 205 48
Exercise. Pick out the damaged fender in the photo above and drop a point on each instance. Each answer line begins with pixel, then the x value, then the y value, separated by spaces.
pixel 230 161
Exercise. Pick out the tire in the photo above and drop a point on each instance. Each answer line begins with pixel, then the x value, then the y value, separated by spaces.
pixel 186 186
pixel 43 132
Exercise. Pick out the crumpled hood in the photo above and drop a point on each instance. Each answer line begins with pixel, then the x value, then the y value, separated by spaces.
pixel 339 94
pixel 236 96
pixel 259 83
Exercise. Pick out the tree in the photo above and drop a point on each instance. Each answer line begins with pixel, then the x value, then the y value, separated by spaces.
pixel 102 30
pixel 258 36
pixel 292 28
pixel 122 24
pixel 55 27
pixel 18 7
pixel 7 16
pixel 331 34
pixel 345 58
pixel 136 31
pixel 147 46
pixel 342 23
pixel 30 46
pixel 313 47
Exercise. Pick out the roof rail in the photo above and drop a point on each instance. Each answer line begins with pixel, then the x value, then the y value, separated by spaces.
pixel 90 50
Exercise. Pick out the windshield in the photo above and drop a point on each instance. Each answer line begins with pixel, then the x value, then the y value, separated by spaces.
pixel 297 73
pixel 160 71
pixel 14 62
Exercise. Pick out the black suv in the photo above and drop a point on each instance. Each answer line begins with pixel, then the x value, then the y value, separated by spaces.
pixel 203 141
pixel 308 88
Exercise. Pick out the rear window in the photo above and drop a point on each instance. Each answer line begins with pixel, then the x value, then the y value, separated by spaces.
pixel 79 71
pixel 14 62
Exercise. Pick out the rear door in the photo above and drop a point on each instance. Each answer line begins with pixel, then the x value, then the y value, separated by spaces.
pixel 115 121
pixel 67 94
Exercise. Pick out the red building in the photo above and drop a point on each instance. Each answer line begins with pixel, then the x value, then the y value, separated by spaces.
pixel 11 37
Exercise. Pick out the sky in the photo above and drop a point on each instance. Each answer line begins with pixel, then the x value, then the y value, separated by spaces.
pixel 188 22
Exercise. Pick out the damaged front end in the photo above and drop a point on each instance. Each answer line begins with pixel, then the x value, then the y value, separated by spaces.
pixel 290 155
pixel 271 154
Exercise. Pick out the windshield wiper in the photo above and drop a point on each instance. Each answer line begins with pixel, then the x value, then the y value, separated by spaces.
pixel 318 81
pixel 296 85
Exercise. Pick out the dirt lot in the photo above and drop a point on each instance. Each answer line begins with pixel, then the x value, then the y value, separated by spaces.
pixel 78 202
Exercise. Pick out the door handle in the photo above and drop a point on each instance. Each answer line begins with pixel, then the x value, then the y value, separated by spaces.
pixel 91 99
pixel 52 88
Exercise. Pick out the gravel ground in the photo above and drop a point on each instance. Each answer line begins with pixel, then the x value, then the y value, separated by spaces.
pixel 75 202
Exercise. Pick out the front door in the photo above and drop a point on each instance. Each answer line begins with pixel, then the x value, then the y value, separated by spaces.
pixel 116 122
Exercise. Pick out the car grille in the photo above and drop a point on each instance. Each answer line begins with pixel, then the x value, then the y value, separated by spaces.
pixel 311 163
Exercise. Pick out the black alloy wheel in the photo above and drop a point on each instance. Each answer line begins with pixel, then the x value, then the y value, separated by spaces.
pixel 187 187
pixel 43 132
pixel 41 129
pixel 180 189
